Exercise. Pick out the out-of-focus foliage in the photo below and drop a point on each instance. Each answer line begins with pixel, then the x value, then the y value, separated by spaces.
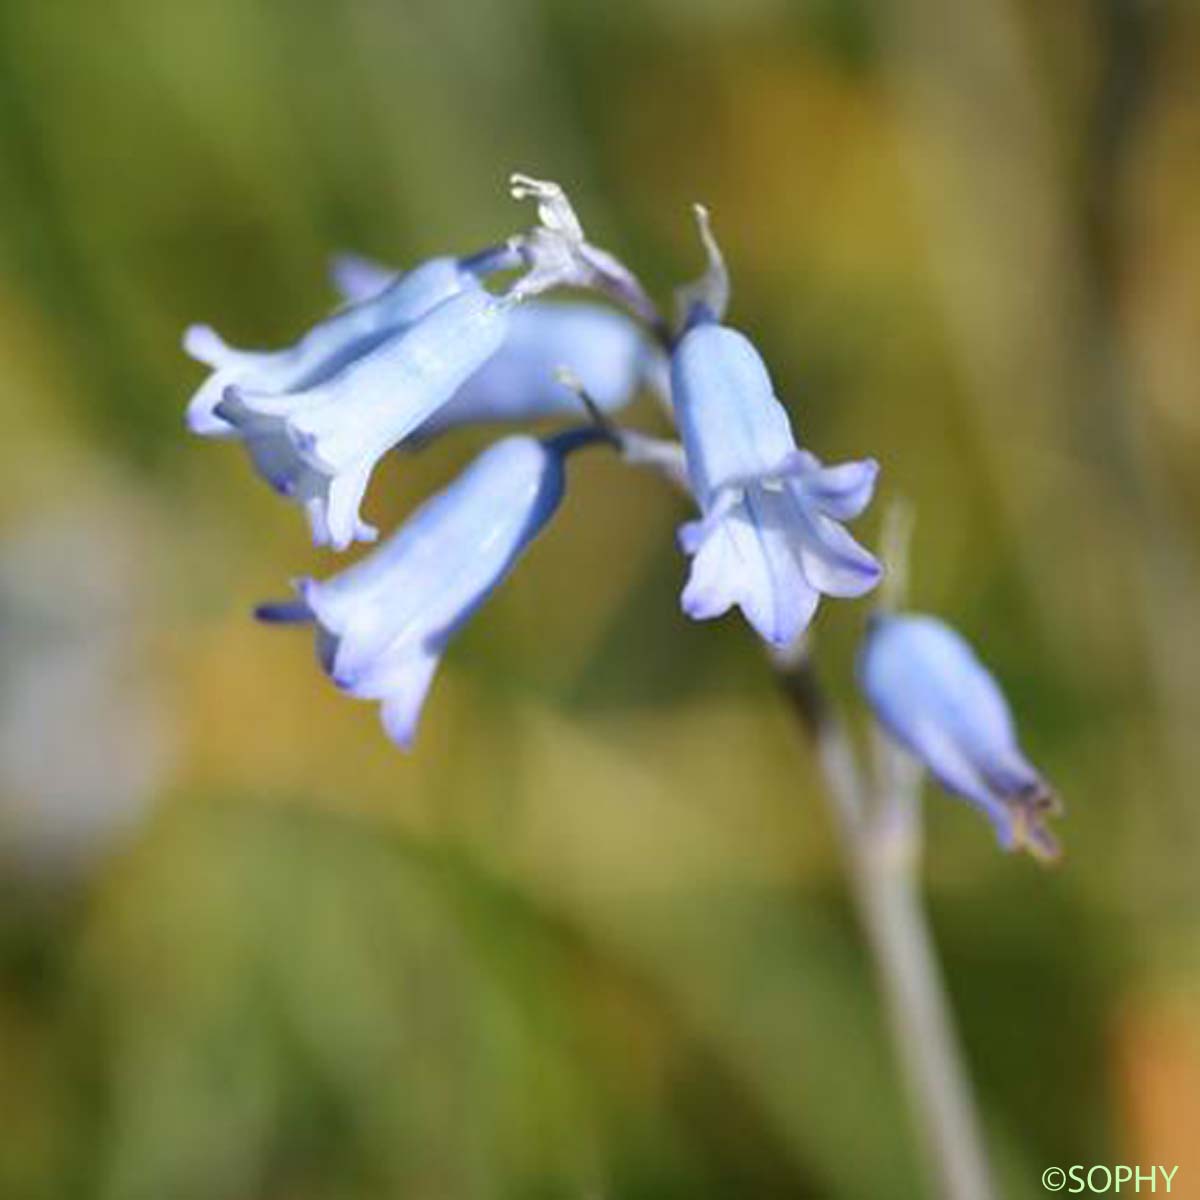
pixel 590 939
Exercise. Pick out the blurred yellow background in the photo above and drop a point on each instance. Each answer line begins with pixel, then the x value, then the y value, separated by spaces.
pixel 590 940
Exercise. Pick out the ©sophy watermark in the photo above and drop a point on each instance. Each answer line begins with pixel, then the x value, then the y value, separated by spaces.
pixel 1099 1179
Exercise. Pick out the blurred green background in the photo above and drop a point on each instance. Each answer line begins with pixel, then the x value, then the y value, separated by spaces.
pixel 591 939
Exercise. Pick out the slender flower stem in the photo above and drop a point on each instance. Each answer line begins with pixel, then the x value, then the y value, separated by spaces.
pixel 880 834
pixel 883 880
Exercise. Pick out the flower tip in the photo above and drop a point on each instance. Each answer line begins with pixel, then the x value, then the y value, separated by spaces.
pixel 778 639
pixel 283 612
pixel 707 237
pixel 204 421
pixel 1026 828
pixel 402 737
pixel 1038 842
pixel 707 298
pixel 400 720
pixel 205 345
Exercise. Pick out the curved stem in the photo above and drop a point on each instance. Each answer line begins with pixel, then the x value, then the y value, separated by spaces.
pixel 883 881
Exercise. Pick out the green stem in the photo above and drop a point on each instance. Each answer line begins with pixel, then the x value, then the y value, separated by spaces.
pixel 881 859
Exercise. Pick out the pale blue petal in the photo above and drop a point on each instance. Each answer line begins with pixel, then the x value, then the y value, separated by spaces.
pixel 325 350
pixel 842 491
pixel 384 621
pixel 935 697
pixel 603 348
pixel 722 573
pixel 404 697
pixel 770 552
pixel 742 560
pixel 378 399
pixel 934 745
pixel 957 686
pixel 733 427
pixel 342 523
pixel 319 445
pixel 832 561
pixel 357 279
pixel 784 547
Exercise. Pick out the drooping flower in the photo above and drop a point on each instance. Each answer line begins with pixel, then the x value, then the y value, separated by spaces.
pixel 318 443
pixel 372 314
pixel 383 624
pixel 770 539
pixel 931 693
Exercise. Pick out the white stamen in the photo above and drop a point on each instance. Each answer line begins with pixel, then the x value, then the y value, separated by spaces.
pixel 554 209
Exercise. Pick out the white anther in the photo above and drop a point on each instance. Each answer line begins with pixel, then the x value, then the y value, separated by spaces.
pixel 554 209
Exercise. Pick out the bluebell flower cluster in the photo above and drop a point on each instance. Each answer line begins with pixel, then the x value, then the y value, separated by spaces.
pixel 476 339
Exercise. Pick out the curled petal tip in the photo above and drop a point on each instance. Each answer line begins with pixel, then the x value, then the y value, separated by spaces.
pixel 204 344
pixel 205 422
pixel 401 717
pixel 1029 811
pixel 707 298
